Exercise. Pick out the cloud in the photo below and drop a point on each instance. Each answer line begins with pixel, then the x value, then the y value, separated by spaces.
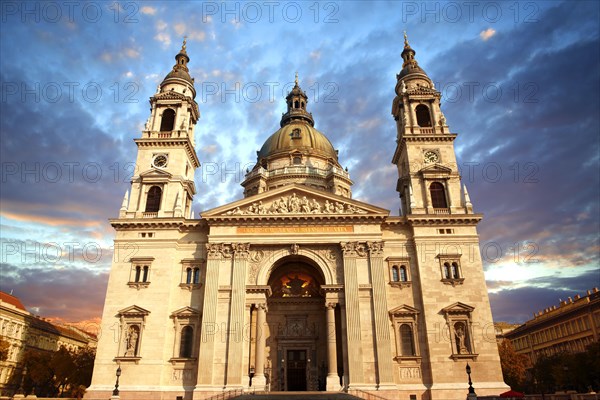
pixel 147 10
pixel 181 29
pixel 485 35
pixel 72 295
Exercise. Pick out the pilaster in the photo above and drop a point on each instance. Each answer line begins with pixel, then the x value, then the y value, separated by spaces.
pixel 382 332
pixel 215 253
pixel 351 251
pixel 236 315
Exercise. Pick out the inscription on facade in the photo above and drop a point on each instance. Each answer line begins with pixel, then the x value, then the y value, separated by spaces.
pixel 295 229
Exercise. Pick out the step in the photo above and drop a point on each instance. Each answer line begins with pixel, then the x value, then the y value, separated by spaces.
pixel 297 396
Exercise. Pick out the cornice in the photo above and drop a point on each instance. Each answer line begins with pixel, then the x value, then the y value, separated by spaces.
pixel 182 224
pixel 309 219
pixel 445 219
pixel 171 142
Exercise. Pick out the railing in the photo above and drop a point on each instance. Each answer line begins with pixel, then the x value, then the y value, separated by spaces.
pixel 227 394
pixel 149 215
pixel 365 395
pixel 165 134
pixel 299 169
pixel 427 130
pixel 441 211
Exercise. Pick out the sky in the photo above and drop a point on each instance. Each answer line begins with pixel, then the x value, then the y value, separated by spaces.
pixel 519 82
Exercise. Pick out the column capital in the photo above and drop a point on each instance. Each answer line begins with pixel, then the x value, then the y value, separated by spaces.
pixel 330 305
pixel 261 306
pixel 353 249
pixel 241 250
pixel 375 248
pixel 219 250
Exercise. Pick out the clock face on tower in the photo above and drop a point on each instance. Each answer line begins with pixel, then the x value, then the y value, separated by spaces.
pixel 431 157
pixel 160 160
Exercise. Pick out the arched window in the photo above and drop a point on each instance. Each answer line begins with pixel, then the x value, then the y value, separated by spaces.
pixel 407 343
pixel 395 277
pixel 438 195
pixel 302 105
pixel 455 271
pixel 187 341
pixel 196 275
pixel 403 275
pixel 188 276
pixel 423 116
pixel 447 272
pixel 296 104
pixel 145 277
pixel 168 120
pixel 153 200
pixel 138 271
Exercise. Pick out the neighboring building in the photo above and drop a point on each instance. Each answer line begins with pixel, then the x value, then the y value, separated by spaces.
pixel 297 286
pixel 570 327
pixel 502 328
pixel 24 331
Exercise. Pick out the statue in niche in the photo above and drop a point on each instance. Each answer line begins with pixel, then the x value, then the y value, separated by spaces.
pixel 459 333
pixel 131 341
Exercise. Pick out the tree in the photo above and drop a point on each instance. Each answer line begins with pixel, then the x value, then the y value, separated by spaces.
pixel 4 346
pixel 513 365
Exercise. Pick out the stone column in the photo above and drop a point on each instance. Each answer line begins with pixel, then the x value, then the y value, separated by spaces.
pixel 333 379
pixel 355 364
pixel 236 316
pixel 216 252
pixel 381 318
pixel 259 381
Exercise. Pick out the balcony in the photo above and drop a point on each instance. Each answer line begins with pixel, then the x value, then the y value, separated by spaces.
pixel 150 215
pixel 441 211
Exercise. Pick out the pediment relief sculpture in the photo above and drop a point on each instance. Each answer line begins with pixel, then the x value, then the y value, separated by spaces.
pixel 294 204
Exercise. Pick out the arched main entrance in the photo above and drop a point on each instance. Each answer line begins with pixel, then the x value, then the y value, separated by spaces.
pixel 296 347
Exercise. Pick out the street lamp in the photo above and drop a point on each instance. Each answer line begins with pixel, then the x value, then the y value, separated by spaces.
pixel 472 393
pixel 116 391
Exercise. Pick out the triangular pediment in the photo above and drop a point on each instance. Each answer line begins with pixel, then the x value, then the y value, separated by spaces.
pixel 404 309
pixel 185 312
pixel 295 200
pixel 155 173
pixel 435 169
pixel 133 310
pixel 458 307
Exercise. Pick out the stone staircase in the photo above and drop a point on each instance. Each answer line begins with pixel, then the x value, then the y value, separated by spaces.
pixel 297 396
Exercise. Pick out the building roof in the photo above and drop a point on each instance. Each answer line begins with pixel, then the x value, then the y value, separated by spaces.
pixel 12 300
pixel 565 308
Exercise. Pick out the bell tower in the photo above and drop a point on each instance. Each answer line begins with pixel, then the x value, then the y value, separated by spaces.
pixel 428 177
pixel 163 181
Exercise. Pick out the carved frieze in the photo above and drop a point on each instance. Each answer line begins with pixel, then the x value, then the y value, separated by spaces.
pixel 294 204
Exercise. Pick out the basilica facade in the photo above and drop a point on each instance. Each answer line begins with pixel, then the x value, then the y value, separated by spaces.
pixel 297 286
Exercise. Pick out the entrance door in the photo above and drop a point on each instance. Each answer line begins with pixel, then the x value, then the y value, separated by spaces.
pixel 296 370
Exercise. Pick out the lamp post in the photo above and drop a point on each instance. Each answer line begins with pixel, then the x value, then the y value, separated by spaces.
pixel 472 394
pixel 116 391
